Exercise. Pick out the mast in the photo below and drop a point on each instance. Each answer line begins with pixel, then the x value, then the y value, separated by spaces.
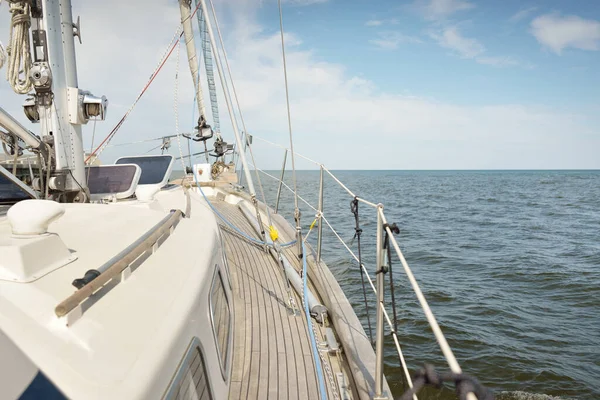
pixel 222 78
pixel 57 103
pixel 57 25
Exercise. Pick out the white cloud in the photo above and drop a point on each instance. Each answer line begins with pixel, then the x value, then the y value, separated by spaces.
pixel 390 40
pixel 440 9
pixel 374 22
pixel 470 48
pixel 334 110
pixel 452 39
pixel 381 22
pixel 522 14
pixel 504 61
pixel 338 117
pixel 560 32
pixel 305 2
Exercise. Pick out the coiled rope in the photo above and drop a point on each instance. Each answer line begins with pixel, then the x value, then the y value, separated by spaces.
pixel 2 55
pixel 2 51
pixel 18 50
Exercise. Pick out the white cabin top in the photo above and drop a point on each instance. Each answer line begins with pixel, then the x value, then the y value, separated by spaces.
pixel 115 339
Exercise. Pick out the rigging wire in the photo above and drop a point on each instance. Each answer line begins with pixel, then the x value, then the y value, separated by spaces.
pixel 176 106
pixel 301 247
pixel 140 141
pixel 87 178
pixel 163 60
pixel 369 280
pixel 230 224
pixel 260 186
pixel 289 117
pixel 113 132
pixel 154 148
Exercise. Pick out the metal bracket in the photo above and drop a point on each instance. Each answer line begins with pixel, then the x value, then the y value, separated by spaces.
pixel 77 29
pixel 36 8
pixel 40 45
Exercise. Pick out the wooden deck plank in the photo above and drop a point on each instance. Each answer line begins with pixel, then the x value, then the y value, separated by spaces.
pixel 275 330
pixel 276 358
pixel 242 253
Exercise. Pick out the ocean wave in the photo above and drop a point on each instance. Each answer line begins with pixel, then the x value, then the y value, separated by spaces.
pixel 520 395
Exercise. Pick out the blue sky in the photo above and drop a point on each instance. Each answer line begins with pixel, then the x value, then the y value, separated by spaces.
pixel 420 84
pixel 397 45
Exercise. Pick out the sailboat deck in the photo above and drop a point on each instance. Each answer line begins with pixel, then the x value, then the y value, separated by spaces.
pixel 272 354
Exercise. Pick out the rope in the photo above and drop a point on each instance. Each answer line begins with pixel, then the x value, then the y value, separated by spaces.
pixel 229 224
pixel 312 225
pixel 19 53
pixel 161 63
pixel 313 341
pixel 465 385
pixel 387 248
pixel 364 273
pixel 357 233
pixel 3 55
pixel 159 67
pixel 225 220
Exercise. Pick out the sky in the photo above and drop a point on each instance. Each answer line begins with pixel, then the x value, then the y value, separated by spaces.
pixel 420 84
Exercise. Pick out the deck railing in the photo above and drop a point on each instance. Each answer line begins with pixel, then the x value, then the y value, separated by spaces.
pixel 383 228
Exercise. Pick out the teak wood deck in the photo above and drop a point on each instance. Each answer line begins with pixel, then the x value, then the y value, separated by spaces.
pixel 272 356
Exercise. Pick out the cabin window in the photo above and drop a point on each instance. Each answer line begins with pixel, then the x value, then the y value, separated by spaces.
pixel 191 381
pixel 155 169
pixel 118 180
pixel 41 388
pixel 221 318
